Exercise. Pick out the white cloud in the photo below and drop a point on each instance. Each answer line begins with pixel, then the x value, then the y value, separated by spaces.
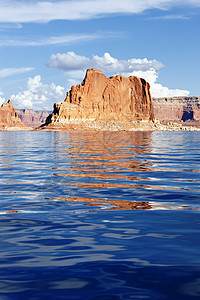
pixel 53 40
pixel 70 61
pixel 16 11
pixel 13 71
pixel 76 74
pixel 75 65
pixel 38 95
pixel 2 100
pixel 157 89
pixel 74 77
pixel 109 64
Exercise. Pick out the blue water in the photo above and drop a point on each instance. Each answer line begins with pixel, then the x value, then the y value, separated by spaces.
pixel 99 215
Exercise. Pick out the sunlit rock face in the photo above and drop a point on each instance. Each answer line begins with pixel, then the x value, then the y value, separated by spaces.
pixel 101 98
pixel 9 117
pixel 177 109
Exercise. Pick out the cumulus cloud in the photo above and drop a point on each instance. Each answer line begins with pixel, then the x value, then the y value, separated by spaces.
pixel 109 64
pixel 71 61
pixel 2 100
pixel 157 89
pixel 13 71
pixel 68 61
pixel 22 11
pixel 75 65
pixel 38 95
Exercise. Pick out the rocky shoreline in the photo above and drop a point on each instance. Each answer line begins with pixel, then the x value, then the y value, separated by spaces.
pixel 115 125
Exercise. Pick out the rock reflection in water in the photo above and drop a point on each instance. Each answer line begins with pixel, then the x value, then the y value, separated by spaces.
pixel 109 204
pixel 106 155
pixel 100 161
pixel 114 170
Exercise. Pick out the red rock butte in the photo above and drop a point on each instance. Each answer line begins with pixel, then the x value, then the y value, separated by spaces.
pixel 101 98
pixel 9 118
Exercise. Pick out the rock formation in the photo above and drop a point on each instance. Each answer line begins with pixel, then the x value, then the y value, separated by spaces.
pixel 9 118
pixel 177 109
pixel 99 98
pixel 32 118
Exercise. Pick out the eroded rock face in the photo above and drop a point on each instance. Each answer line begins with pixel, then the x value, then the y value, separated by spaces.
pixel 32 118
pixel 102 98
pixel 8 116
pixel 177 109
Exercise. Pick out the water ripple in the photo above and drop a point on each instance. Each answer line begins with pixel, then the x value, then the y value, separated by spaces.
pixel 99 215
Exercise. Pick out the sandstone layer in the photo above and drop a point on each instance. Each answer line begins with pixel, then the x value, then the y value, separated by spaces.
pixel 100 100
pixel 177 109
pixel 9 119
pixel 32 118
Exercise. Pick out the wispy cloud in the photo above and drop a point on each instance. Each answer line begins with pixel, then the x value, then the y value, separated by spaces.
pixel 7 26
pixel 6 72
pixel 55 40
pixel 170 17
pixel 22 11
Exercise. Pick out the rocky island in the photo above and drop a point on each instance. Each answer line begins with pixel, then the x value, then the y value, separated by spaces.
pixel 105 103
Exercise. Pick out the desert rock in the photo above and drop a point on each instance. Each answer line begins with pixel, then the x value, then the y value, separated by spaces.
pixel 31 117
pixel 9 119
pixel 103 99
pixel 177 109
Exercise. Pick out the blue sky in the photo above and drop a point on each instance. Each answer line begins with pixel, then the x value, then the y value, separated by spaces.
pixel 46 46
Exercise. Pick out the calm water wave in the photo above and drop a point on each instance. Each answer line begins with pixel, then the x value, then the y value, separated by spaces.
pixel 100 215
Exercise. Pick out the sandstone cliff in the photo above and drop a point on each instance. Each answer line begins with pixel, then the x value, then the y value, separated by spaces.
pixel 103 99
pixel 177 109
pixel 9 118
pixel 32 118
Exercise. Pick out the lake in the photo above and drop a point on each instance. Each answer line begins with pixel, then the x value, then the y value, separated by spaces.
pixel 99 215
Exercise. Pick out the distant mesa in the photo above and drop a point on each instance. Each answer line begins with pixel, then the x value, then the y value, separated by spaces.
pixel 178 109
pixel 100 99
pixel 9 118
pixel 31 117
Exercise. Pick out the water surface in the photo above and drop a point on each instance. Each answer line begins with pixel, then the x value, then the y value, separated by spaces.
pixel 99 215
